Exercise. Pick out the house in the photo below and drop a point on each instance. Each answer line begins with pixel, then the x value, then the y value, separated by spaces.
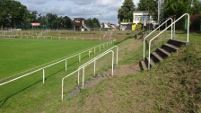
pixel 141 20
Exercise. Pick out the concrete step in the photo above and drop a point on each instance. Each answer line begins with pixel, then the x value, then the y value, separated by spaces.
pixel 151 61
pixel 157 56
pixel 161 53
pixel 143 65
pixel 171 46
pixel 164 51
pixel 176 43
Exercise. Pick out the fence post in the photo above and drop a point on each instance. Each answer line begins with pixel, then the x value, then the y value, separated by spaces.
pixel 95 68
pixel 66 64
pixel 83 74
pixel 62 91
pixel 112 63
pixel 43 76
pixel 79 57
pixel 94 50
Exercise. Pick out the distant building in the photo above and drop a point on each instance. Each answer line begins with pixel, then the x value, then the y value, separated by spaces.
pixel 108 26
pixel 141 20
pixel 79 25
pixel 105 25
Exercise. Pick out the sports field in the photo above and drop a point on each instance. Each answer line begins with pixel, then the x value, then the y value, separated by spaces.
pixel 18 56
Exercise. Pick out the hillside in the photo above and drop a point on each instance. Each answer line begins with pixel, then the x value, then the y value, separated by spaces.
pixel 171 86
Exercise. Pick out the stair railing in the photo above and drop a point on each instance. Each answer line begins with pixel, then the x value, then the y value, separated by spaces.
pixel 188 26
pixel 85 26
pixel 144 44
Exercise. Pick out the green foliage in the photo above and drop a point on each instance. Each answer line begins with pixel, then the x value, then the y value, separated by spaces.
pixel 11 13
pixel 126 10
pixel 92 23
pixel 179 7
pixel 149 5
pixel 14 14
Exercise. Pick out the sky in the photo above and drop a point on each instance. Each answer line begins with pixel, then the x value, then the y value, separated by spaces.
pixel 104 10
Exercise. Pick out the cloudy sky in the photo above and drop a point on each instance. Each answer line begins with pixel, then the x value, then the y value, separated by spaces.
pixel 104 10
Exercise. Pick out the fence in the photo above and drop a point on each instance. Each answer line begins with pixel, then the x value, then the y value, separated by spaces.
pixel 47 37
pixel 63 60
pixel 89 62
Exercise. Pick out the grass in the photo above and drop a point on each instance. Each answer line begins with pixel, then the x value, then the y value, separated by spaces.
pixel 19 55
pixel 30 91
pixel 148 91
pixel 171 86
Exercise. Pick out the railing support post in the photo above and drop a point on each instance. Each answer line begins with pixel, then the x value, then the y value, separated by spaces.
pixel 66 65
pixel 83 74
pixel 79 57
pixel 43 76
pixel 95 68
pixel 112 63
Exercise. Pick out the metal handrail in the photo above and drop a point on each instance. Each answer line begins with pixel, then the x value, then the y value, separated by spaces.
pixel 97 57
pixel 144 44
pixel 186 14
pixel 65 60
pixel 94 60
pixel 83 67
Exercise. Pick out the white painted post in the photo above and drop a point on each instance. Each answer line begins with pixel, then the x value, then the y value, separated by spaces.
pixel 112 63
pixel 83 74
pixel 62 91
pixel 117 55
pixel 66 64
pixel 78 77
pixel 43 76
pixel 94 50
pixel 95 68
pixel 79 57
pixel 188 28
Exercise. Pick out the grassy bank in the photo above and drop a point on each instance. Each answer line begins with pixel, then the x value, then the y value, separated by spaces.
pixel 171 86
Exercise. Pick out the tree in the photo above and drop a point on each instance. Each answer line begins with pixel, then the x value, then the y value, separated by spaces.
pixel 92 23
pixel 67 22
pixel 179 7
pixel 12 13
pixel 126 10
pixel 149 5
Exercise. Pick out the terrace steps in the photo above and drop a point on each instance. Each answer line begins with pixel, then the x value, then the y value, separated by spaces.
pixel 161 53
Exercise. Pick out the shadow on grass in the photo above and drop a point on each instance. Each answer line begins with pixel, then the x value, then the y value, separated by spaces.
pixel 3 101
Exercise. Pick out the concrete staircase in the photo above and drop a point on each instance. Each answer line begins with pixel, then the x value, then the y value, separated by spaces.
pixel 161 53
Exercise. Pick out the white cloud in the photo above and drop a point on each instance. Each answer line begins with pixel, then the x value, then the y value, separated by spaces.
pixel 78 8
pixel 38 2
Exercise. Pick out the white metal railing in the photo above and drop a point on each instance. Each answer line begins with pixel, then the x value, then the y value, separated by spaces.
pixel 97 57
pixel 63 60
pixel 188 26
pixel 144 43
pixel 87 63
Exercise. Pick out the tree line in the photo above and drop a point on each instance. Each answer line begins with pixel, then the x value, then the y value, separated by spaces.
pixel 169 8
pixel 15 15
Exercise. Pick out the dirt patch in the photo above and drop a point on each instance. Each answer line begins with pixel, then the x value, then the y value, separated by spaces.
pixel 129 69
